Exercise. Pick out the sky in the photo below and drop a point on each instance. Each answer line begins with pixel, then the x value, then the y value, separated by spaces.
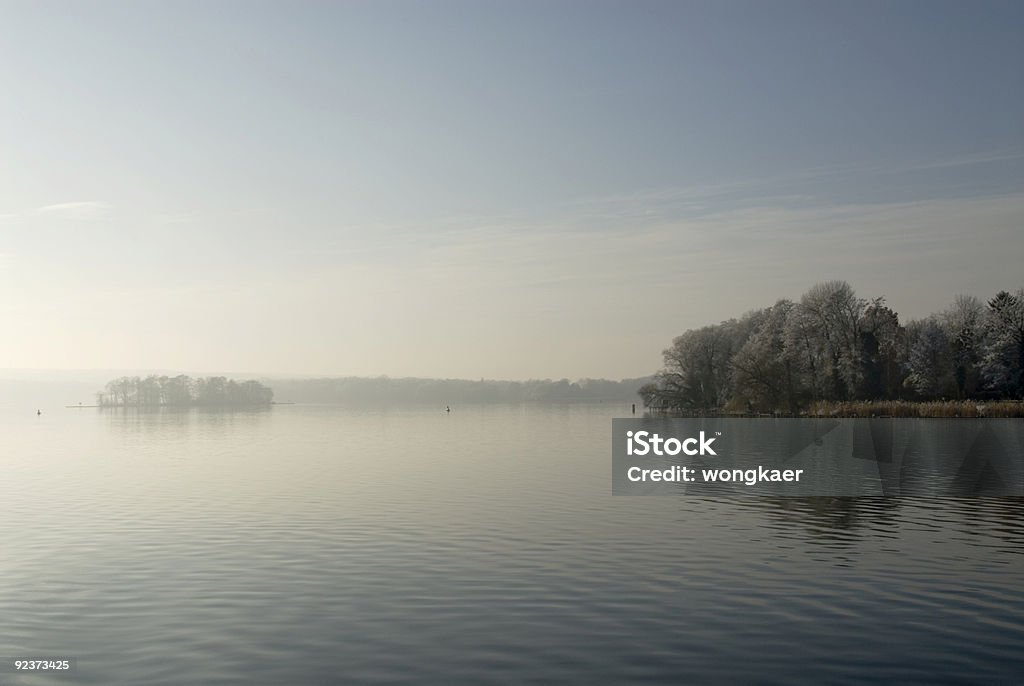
pixel 488 189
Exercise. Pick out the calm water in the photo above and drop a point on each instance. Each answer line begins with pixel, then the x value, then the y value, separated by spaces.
pixel 312 545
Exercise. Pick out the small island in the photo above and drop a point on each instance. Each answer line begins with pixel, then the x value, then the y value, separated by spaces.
pixel 183 391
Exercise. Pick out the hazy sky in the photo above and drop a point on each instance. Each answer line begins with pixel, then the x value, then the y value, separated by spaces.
pixel 488 189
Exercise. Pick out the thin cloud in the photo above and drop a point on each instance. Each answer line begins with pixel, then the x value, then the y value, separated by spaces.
pixel 81 206
pixel 702 199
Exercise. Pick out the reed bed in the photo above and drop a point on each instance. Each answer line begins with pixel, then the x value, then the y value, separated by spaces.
pixel 899 408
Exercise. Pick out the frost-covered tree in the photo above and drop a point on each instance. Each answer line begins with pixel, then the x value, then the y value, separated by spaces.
pixel 963 321
pixel 881 344
pixel 698 367
pixel 835 345
pixel 929 359
pixel 1003 356
pixel 766 370
pixel 832 313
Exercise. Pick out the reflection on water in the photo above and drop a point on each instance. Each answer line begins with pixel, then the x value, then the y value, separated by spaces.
pixel 170 421
pixel 306 544
pixel 844 523
pixel 833 522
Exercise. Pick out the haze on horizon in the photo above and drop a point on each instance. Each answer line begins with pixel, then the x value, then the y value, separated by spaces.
pixel 501 190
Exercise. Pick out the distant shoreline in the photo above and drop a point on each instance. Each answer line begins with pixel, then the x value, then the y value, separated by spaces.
pixel 175 407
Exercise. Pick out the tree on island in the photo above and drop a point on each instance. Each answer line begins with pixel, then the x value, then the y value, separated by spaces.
pixel 835 346
pixel 182 391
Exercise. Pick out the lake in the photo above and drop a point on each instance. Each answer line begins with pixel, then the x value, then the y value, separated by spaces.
pixel 305 544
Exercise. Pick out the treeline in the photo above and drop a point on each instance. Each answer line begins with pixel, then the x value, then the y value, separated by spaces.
pixel 181 390
pixel 833 346
pixel 384 390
